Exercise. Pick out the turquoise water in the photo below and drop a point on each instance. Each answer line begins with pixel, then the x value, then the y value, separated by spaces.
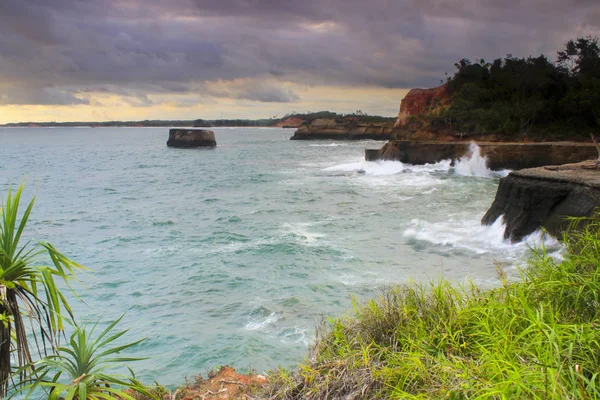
pixel 233 255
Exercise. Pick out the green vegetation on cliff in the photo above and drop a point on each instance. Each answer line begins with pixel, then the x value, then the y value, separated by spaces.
pixel 526 95
pixel 536 338
pixel 357 116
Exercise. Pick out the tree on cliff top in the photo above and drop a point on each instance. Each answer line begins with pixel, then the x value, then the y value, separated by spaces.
pixel 524 95
pixel 581 57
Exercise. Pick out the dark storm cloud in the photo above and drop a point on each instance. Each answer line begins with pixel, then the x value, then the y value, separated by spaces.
pixel 10 94
pixel 62 50
pixel 266 92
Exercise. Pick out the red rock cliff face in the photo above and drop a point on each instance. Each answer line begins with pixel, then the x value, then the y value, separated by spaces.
pixel 291 122
pixel 421 101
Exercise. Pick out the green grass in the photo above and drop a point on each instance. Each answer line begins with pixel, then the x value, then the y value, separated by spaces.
pixel 536 338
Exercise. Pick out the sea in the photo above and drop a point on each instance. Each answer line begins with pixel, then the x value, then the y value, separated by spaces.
pixel 235 255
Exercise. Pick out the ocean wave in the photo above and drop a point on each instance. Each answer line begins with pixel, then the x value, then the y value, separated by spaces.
pixel 327 145
pixel 273 324
pixel 474 164
pixel 369 168
pixel 263 323
pixel 294 335
pixel 470 235
pixel 301 232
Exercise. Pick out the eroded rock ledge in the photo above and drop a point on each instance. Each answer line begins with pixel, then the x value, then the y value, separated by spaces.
pixel 544 197
pixel 499 155
pixel 323 129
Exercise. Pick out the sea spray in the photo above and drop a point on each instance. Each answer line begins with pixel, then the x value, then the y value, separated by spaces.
pixel 469 235
pixel 474 164
pixel 471 164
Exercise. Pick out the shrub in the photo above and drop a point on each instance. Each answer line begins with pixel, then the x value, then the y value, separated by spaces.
pixel 28 290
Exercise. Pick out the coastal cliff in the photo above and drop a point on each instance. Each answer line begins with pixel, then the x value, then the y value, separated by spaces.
pixel 291 122
pixel 416 102
pixel 533 198
pixel 421 102
pixel 344 129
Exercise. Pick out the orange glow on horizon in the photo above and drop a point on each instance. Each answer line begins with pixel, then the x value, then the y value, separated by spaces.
pixel 372 100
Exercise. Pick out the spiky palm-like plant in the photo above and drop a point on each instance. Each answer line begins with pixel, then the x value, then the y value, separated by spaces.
pixel 77 371
pixel 28 290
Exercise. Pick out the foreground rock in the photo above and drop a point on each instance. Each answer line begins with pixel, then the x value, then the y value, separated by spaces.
pixel 344 129
pixel 189 138
pixel 499 155
pixel 544 197
pixel 226 384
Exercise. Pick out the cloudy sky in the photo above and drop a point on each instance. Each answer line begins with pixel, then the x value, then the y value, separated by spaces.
pixel 77 60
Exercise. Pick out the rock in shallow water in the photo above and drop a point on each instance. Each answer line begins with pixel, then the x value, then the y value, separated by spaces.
pixel 189 138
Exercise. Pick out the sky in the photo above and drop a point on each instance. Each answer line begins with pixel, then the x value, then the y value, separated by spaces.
pixel 99 60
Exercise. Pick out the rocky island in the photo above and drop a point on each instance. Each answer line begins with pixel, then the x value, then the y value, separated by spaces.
pixel 188 138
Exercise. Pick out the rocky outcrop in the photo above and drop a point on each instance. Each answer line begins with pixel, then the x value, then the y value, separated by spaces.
pixel 191 138
pixel 343 129
pixel 292 122
pixel 544 197
pixel 499 155
pixel 421 101
pixel 224 384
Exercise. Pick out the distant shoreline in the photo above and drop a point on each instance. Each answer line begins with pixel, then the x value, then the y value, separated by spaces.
pixel 287 121
pixel 15 126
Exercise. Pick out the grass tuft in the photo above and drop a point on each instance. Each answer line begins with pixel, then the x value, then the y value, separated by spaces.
pixel 536 338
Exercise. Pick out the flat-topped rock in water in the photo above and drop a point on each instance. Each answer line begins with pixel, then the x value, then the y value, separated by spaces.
pixel 189 138
pixel 500 155
pixel 545 197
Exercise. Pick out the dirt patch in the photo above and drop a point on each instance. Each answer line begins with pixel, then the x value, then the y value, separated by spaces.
pixel 226 384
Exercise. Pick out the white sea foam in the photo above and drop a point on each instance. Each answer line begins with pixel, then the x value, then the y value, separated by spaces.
pixel 326 145
pixel 393 173
pixel 474 164
pixel 470 235
pixel 288 335
pixel 235 247
pixel 173 248
pixel 389 168
pixel 358 279
pixel 261 325
pixel 369 168
pixel 301 232
pixel 294 335
pixel 429 191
